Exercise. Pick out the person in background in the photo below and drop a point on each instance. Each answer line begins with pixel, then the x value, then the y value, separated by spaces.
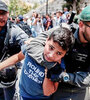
pixel 19 20
pixel 49 23
pixel 65 15
pixel 57 19
pixel 65 11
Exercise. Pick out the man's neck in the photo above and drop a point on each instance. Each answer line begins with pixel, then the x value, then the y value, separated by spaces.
pixel 81 37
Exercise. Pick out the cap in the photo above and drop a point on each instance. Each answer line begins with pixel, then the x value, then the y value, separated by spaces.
pixel 20 17
pixel 85 14
pixel 3 6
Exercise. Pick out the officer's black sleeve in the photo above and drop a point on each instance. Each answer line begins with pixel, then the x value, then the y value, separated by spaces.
pixel 80 79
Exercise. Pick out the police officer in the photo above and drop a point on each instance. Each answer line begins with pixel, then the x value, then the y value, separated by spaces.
pixel 16 38
pixel 77 61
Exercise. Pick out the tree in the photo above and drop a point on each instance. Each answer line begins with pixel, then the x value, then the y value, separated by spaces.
pixel 17 7
pixel 35 5
pixel 73 3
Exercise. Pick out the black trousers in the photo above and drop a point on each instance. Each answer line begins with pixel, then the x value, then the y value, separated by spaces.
pixel 62 94
pixel 23 98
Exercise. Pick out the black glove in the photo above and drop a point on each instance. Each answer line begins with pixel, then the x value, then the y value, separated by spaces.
pixel 63 76
pixel 54 73
pixel 57 74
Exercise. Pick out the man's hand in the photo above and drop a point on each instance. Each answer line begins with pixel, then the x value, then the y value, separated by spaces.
pixel 63 76
pixel 57 75
pixel 54 73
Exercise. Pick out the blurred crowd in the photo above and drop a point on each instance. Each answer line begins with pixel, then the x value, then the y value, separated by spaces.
pixel 39 23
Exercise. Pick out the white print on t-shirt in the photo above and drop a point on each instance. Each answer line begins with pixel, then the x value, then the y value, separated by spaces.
pixel 34 73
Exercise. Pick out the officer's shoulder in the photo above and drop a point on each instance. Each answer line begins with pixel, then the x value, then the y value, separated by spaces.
pixel 16 28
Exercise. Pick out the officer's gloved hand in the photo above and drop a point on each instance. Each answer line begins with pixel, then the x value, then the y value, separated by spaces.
pixel 54 73
pixel 57 75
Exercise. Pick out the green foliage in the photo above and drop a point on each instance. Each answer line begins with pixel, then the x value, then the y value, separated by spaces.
pixel 35 5
pixel 17 7
pixel 68 5
pixel 71 1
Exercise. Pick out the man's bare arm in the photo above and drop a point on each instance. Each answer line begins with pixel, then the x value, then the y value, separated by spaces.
pixel 49 87
pixel 12 60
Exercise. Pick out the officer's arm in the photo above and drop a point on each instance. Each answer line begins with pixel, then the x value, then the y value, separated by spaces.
pixel 12 60
pixel 80 79
pixel 17 34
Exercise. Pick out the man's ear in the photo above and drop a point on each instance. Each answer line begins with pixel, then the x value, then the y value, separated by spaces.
pixel 8 14
pixel 80 24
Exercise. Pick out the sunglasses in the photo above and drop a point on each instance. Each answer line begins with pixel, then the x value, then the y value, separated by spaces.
pixel 3 13
pixel 86 24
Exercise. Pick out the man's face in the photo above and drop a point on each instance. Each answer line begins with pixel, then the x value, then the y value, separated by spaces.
pixel 57 14
pixel 3 17
pixel 86 31
pixel 53 52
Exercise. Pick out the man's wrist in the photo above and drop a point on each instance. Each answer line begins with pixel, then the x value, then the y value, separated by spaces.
pixel 64 77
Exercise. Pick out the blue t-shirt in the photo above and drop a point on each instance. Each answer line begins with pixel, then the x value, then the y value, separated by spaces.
pixel 31 80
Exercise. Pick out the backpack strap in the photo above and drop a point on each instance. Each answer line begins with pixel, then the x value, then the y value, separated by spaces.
pixel 6 41
pixel 8 35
